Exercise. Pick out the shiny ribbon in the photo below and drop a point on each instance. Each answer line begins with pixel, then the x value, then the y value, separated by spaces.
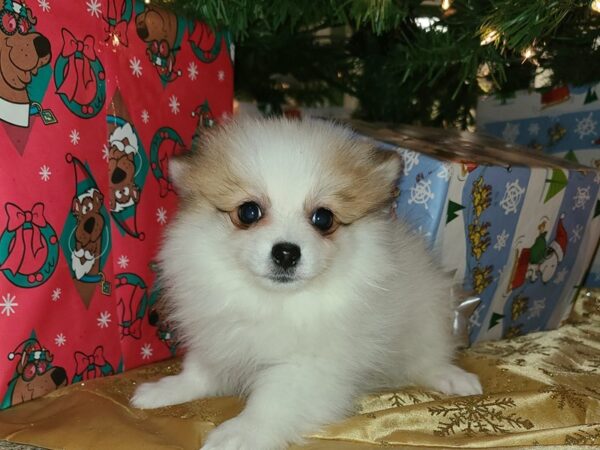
pixel 16 219
pixel 71 45
pixel 89 366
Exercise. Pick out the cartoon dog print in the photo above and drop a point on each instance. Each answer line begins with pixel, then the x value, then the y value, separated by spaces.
pixel 22 53
pixel 122 169
pixel 85 258
pixel 158 28
pixel 34 374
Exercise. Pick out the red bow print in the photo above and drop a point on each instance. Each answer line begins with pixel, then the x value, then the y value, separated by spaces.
pixel 89 366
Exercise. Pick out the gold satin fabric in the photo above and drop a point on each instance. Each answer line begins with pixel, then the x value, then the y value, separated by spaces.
pixel 542 389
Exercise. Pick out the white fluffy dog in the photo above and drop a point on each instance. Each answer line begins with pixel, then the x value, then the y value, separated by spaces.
pixel 290 283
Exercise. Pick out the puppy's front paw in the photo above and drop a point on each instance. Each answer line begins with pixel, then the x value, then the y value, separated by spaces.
pixel 453 380
pixel 240 434
pixel 154 395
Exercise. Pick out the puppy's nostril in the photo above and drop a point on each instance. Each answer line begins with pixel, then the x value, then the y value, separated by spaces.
pixel 285 254
pixel 88 226
pixel 142 32
pixel 118 175
pixel 42 46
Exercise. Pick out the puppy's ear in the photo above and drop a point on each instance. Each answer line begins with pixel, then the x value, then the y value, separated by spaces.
pixel 387 167
pixel 179 167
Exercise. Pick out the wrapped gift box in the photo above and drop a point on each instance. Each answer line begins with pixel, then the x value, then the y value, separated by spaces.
pixel 94 99
pixel 561 121
pixel 518 229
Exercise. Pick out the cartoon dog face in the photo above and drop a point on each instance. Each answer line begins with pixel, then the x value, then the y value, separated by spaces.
pixel 90 223
pixel 35 376
pixel 121 167
pixel 22 51
pixel 156 25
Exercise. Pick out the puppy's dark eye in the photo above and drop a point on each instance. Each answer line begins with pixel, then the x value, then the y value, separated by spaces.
pixel 322 219
pixel 249 213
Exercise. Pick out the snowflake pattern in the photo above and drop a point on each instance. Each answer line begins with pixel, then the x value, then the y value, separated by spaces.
pixel 535 310
pixel 145 116
pixel 74 136
pixel 533 129
pixel 161 215
pixel 445 171
pixel 146 351
pixel 411 397
pixel 45 173
pixel 174 104
pixel 105 152
pixel 103 319
pixel 94 8
pixel 421 193
pixel 136 67
pixel 221 75
pixel 565 396
pixel 123 261
pixel 581 198
pixel 585 126
pixel 501 240
pixel 44 5
pixel 475 319
pixel 60 340
pixel 56 293
pixel 576 233
pixel 512 197
pixel 511 132
pixel 411 159
pixel 472 415
pixel 192 70
pixel 560 275
pixel 8 304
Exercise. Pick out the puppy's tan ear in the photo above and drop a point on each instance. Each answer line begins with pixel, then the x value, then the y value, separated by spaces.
pixel 179 168
pixel 388 165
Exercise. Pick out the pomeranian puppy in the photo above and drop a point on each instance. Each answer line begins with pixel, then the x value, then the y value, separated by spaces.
pixel 291 284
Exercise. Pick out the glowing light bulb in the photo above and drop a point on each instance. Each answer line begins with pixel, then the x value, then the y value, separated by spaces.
pixel 595 5
pixel 489 36
pixel 447 3
pixel 528 52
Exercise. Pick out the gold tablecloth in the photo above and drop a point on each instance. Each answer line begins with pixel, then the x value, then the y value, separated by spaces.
pixel 539 389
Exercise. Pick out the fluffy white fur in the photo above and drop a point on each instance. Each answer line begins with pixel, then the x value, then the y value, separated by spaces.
pixel 368 308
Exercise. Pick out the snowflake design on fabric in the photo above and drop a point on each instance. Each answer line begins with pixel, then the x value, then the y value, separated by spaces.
pixel 221 75
pixel 501 240
pixel 74 136
pixel 535 310
pixel 584 437
pixel 576 233
pixel 103 319
pixel 475 319
pixel 561 275
pixel 472 415
pixel 45 173
pixel 174 104
pixel 136 67
pixel 60 340
pixel 512 197
pixel 161 215
pixel 581 198
pixel 146 351
pixel 44 5
pixel 421 193
pixel 192 70
pixel 145 116
pixel 8 304
pixel 565 396
pixel 511 132
pixel 105 152
pixel 411 159
pixel 585 126
pixel 411 397
pixel 94 8
pixel 56 293
pixel 533 129
pixel 123 261
pixel 445 171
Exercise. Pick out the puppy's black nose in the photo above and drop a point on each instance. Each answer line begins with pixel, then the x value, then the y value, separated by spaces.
pixel 88 226
pixel 42 46
pixel 285 254
pixel 142 32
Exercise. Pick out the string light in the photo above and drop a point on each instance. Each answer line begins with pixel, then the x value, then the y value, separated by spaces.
pixel 489 36
pixel 595 5
pixel 446 4
pixel 529 52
